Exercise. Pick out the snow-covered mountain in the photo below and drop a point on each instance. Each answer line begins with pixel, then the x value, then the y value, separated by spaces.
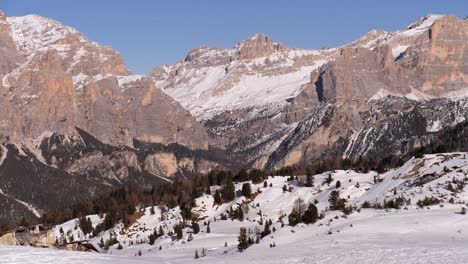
pixel 412 213
pixel 72 114
pixel 75 118
pixel 277 106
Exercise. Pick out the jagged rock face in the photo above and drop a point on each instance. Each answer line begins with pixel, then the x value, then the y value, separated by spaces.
pixel 427 60
pixel 212 82
pixel 59 80
pixel 243 95
pixel 258 46
pixel 319 118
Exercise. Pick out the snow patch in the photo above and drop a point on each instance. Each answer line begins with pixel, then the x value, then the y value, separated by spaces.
pixel 434 126
pixel 421 26
pixel 124 80
pixel 4 154
pixel 34 33
pixel 29 206
pixel 396 51
pixel 203 99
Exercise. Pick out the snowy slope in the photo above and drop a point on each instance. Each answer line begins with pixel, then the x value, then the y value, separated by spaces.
pixel 412 234
pixel 212 81
pixel 33 33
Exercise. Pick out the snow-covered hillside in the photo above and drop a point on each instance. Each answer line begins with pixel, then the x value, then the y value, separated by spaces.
pixel 256 75
pixel 427 227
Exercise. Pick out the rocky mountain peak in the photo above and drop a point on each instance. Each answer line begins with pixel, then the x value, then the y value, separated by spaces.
pixel 32 33
pixel 425 21
pixel 259 45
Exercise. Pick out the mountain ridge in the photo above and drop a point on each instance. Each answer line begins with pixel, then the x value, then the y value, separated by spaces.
pixel 71 107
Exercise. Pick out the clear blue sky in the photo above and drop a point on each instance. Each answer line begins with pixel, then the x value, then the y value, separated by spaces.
pixel 151 32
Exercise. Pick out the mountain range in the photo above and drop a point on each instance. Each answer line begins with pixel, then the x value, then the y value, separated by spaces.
pixel 76 122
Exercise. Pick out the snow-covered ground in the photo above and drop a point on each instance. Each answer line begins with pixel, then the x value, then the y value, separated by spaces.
pixel 412 234
pixel 437 235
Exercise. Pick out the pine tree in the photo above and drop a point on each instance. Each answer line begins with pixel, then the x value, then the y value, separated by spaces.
pixel 242 175
pixel 178 231
pixel 309 179
pixel 110 219
pixel 119 247
pixel 333 199
pixel 338 184
pixel 229 191
pixel 125 220
pixel 217 197
pixel 265 184
pixel 208 229
pixel 246 190
pixel 225 244
pixel 161 231
pixel 266 230
pixel 242 239
pixel 196 254
pixel 24 222
pixel 139 253
pixel 240 213
pixel 195 227
pixel 310 215
pixel 294 218
pixel 152 238
pixel 152 212
pixel 329 179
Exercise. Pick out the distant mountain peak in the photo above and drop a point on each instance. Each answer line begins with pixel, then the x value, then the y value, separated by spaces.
pixel 425 22
pixel 256 41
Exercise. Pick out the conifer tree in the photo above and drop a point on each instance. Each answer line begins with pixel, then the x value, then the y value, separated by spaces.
pixel 266 230
pixel 246 190
pixel 195 227
pixel 309 179
pixel 240 213
pixel 217 197
pixel 196 254
pixel 329 179
pixel 310 215
pixel 242 239
pixel 229 190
